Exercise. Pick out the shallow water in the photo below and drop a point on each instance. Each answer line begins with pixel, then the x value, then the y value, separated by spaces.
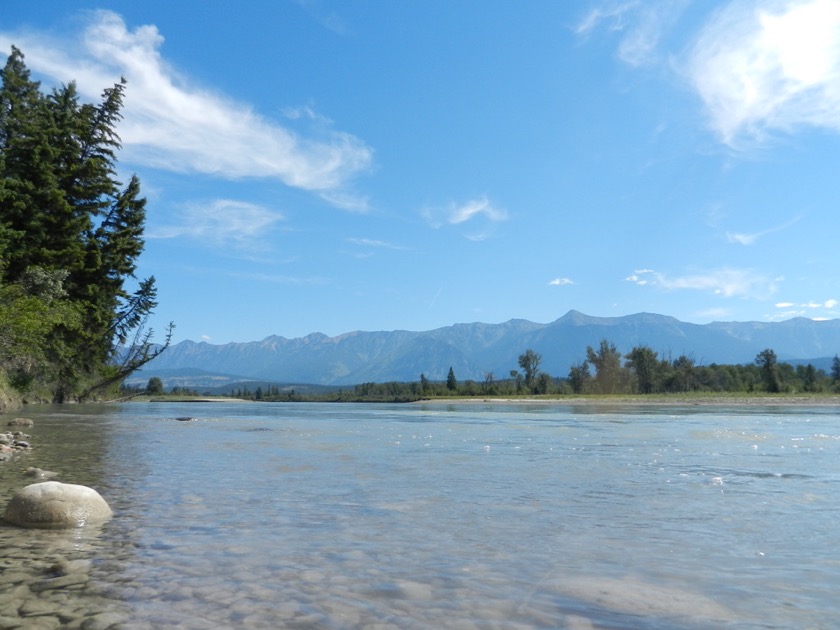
pixel 261 515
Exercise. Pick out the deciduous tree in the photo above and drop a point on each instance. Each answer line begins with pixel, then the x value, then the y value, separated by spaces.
pixel 530 361
pixel 768 364
pixel 609 378
pixel 642 361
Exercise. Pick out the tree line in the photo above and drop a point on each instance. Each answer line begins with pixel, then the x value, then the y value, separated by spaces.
pixel 604 371
pixel 644 372
pixel 73 312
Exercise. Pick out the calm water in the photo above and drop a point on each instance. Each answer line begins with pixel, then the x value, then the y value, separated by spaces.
pixel 467 516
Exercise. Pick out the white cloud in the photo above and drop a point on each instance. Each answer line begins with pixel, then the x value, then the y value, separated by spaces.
pixel 641 26
pixel 724 282
pixel 560 282
pixel 818 311
pixel 238 224
pixel 793 309
pixel 769 65
pixel 476 207
pixel 749 239
pixel 326 18
pixel 372 242
pixel 471 211
pixel 743 239
pixel 281 279
pixel 614 16
pixel 172 125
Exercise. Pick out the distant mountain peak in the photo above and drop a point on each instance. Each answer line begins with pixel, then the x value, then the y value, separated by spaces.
pixel 478 349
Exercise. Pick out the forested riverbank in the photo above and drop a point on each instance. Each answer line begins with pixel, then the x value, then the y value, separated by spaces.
pixel 72 311
pixel 643 377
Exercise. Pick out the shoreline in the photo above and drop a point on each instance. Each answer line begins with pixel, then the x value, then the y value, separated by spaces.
pixel 759 400
pixel 593 400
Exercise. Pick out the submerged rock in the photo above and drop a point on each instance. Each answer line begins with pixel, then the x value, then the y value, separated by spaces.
pixel 20 422
pixel 39 473
pixel 12 443
pixel 56 505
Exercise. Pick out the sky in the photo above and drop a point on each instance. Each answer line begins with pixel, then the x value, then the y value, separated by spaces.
pixel 325 166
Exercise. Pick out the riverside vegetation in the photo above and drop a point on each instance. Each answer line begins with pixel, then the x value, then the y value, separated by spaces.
pixel 72 311
pixel 642 374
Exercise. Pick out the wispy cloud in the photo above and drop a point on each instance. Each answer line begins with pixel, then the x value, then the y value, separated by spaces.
pixel 560 282
pixel 748 239
pixel 281 279
pixel 724 282
pixel 173 125
pixel 367 246
pixel 474 208
pixel 640 25
pixel 613 15
pixel 223 222
pixel 761 66
pixel 372 242
pixel 330 20
pixel 471 211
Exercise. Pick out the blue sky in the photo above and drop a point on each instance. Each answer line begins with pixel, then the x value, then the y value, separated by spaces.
pixel 328 166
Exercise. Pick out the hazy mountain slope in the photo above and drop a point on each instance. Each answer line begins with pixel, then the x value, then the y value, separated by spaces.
pixel 474 350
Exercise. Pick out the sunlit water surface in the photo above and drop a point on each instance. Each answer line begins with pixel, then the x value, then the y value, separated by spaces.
pixel 436 516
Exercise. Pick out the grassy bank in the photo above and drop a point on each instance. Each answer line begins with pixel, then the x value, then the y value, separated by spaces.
pixel 700 398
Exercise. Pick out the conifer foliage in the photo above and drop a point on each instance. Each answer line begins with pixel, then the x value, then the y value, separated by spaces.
pixel 70 239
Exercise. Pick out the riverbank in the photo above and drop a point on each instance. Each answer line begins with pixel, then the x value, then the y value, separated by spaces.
pixel 762 400
pixel 699 399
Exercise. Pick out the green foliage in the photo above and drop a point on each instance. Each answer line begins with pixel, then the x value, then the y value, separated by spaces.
pixel 610 377
pixel 768 364
pixel 26 324
pixel 642 361
pixel 451 383
pixel 530 361
pixel 155 386
pixel 643 372
pixel 579 377
pixel 70 238
pixel 425 385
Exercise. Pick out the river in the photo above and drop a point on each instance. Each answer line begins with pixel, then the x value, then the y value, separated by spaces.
pixel 474 515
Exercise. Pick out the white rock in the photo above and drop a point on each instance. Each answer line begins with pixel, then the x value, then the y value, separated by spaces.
pixel 56 505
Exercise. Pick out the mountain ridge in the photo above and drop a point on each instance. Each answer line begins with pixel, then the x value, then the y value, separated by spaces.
pixel 477 349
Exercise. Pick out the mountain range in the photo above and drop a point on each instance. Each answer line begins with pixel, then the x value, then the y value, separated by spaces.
pixel 474 350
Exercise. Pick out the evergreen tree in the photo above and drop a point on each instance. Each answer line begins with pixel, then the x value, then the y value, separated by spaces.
pixel 451 383
pixel 64 217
